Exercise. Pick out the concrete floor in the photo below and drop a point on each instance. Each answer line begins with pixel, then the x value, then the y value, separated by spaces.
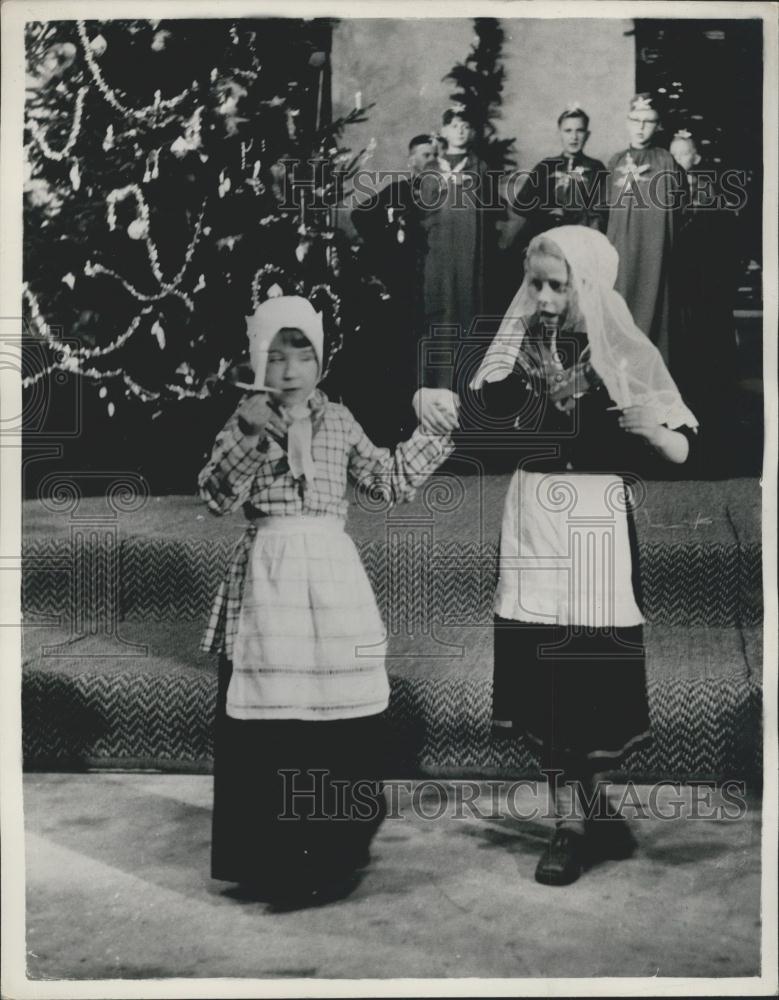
pixel 118 887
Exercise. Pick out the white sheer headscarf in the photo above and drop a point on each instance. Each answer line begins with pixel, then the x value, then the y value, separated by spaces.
pixel 627 361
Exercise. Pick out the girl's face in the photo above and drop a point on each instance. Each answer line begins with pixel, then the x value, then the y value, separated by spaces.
pixel 292 367
pixel 549 289
pixel 642 125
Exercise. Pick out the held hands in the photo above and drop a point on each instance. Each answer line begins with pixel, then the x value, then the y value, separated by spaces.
pixel 437 410
pixel 258 414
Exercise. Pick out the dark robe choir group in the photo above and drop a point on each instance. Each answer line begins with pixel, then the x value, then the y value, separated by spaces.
pixel 452 261
pixel 583 365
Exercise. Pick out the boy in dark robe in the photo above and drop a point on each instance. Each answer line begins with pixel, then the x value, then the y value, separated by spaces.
pixel 389 225
pixel 645 190
pixel 460 207
pixel 568 189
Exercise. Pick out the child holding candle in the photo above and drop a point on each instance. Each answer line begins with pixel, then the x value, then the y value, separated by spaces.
pixel 569 657
pixel 302 683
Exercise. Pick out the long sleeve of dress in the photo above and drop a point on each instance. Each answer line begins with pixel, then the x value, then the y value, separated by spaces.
pixel 395 475
pixel 225 482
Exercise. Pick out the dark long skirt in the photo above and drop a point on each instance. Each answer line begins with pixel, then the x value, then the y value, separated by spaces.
pixel 577 693
pixel 294 800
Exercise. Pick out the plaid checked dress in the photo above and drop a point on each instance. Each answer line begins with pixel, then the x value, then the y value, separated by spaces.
pixel 296 613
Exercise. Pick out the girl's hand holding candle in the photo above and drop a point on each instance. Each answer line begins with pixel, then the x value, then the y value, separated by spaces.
pixel 257 414
pixel 642 421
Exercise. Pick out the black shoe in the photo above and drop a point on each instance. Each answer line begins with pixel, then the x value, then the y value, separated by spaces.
pixel 316 891
pixel 564 858
pixel 610 838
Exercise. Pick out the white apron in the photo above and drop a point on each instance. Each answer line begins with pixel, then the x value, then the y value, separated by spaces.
pixel 310 642
pixel 565 551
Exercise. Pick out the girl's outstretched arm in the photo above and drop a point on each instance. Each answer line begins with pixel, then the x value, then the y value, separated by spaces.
pixel 395 474
pixel 642 421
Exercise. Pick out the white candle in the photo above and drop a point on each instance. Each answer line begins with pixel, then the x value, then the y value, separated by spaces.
pixel 624 385
pixel 358 100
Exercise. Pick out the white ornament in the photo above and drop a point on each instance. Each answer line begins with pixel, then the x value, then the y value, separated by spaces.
pixel 75 176
pixel 98 45
pixel 103 392
pixel 301 250
pixel 69 279
pixel 159 333
pixel 137 230
pixel 201 284
pixel 179 147
pixel 159 41
pixel 108 142
pixel 274 292
pixel 111 409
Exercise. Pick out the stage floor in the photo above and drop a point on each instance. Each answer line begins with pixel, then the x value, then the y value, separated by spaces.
pixel 118 887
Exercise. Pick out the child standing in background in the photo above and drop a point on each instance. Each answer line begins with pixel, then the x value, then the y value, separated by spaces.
pixel 568 189
pixel 302 682
pixel 569 655
pixel 645 190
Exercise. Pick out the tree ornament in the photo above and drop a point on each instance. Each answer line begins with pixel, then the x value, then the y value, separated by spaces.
pixel 111 409
pixel 138 229
pixel 98 45
pixel 224 184
pixel 159 333
pixel 274 292
pixel 160 40
pixel 301 250
pixel 57 59
pixel 109 142
pixel 103 392
pixel 75 176
pixel 69 279
pixel 180 147
pixel 152 171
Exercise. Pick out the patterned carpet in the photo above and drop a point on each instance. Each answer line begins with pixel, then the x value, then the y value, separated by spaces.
pixel 114 607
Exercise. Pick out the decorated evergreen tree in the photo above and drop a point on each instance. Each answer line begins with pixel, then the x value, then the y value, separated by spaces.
pixel 177 173
pixel 479 81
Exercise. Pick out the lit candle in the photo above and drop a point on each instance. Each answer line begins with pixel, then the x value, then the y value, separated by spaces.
pixel 358 100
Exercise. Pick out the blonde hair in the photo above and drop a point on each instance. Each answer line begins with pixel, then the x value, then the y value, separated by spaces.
pixel 544 246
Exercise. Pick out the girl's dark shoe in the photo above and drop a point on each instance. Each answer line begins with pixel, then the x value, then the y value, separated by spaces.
pixel 564 859
pixel 610 838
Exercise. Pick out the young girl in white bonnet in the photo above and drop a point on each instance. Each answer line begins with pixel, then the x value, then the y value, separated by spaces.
pixel 302 682
pixel 588 398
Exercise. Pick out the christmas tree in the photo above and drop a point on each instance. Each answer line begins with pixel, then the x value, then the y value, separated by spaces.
pixel 176 174
pixel 479 81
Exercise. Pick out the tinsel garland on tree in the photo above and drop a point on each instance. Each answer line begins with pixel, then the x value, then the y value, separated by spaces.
pixel 479 82
pixel 176 174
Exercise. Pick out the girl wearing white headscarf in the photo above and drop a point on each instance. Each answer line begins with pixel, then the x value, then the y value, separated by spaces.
pixel 302 682
pixel 586 397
